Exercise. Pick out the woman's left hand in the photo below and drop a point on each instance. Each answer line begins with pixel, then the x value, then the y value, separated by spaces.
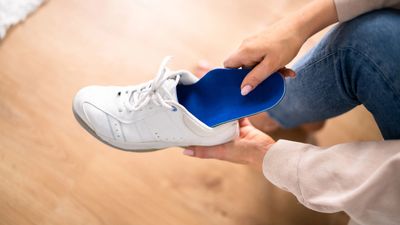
pixel 249 148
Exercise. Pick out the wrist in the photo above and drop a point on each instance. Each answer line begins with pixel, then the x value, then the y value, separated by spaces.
pixel 258 159
pixel 314 17
pixel 264 146
pixel 269 146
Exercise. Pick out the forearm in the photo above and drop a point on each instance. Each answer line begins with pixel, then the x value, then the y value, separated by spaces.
pixel 313 17
pixel 349 9
pixel 358 178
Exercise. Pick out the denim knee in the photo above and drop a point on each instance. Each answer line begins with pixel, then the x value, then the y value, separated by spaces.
pixel 375 35
pixel 355 62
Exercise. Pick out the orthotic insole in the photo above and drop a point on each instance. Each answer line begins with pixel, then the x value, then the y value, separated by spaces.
pixel 215 99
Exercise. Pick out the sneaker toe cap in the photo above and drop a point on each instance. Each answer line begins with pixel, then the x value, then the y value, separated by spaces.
pixel 89 114
pixel 81 98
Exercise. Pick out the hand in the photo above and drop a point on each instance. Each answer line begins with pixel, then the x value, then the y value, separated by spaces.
pixel 267 52
pixel 272 49
pixel 249 148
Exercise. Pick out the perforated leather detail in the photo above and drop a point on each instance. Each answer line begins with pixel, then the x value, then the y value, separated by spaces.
pixel 116 129
pixel 160 137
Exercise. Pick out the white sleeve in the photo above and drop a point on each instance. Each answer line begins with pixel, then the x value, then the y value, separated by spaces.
pixel 362 179
pixel 348 9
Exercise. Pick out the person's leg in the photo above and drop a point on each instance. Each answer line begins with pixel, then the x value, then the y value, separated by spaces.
pixel 355 63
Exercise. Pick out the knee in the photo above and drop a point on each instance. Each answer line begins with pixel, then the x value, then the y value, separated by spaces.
pixel 372 36
pixel 371 33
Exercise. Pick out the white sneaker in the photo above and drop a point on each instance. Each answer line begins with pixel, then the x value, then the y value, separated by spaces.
pixel 146 116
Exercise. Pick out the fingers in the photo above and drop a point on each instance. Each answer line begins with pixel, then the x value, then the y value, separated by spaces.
pixel 263 69
pixel 206 152
pixel 222 152
pixel 245 57
pixel 286 72
pixel 234 61
pixel 244 122
pixel 257 75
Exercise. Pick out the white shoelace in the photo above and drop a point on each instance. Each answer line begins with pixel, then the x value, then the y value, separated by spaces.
pixel 141 96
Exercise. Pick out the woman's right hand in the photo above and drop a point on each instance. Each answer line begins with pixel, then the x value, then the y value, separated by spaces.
pixel 267 51
pixel 271 49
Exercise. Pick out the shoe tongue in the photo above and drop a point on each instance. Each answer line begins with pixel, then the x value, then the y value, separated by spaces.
pixel 170 87
pixel 184 78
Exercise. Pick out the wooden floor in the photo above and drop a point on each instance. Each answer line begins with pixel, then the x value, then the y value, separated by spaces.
pixel 53 172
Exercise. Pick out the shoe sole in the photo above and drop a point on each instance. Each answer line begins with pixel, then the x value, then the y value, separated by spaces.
pixel 91 131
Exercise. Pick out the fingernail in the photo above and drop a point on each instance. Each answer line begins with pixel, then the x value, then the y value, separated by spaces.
pixel 188 152
pixel 246 89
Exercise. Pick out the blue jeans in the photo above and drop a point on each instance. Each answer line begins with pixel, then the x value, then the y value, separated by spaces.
pixel 357 62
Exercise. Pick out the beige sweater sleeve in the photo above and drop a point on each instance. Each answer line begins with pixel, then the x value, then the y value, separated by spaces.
pixel 348 9
pixel 362 179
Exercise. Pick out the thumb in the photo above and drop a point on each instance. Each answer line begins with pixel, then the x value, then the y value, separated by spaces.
pixel 286 72
pixel 257 75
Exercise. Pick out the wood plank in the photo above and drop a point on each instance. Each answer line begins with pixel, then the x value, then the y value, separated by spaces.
pixel 53 172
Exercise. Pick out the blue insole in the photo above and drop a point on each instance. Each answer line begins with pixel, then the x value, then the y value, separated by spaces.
pixel 215 99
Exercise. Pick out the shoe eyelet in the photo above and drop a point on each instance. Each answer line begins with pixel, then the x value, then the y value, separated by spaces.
pixel 174 109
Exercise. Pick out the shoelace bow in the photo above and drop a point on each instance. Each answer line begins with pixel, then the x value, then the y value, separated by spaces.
pixel 151 92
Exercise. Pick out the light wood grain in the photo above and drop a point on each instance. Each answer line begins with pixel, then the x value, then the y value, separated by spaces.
pixel 53 172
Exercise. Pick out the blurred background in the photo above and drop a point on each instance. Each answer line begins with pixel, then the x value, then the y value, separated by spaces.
pixel 53 172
